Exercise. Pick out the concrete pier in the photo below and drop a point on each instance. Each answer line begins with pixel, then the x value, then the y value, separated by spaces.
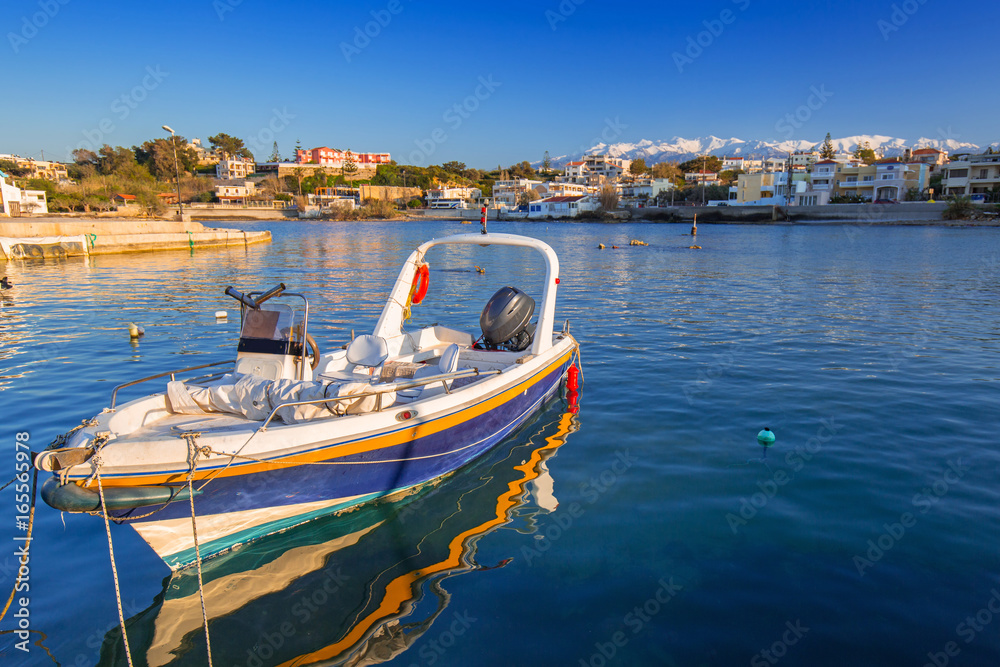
pixel 103 237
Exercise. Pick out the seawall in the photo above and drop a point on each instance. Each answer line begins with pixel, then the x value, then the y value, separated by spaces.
pixel 916 212
pixel 39 237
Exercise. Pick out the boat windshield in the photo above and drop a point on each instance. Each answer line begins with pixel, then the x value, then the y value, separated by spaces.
pixel 275 328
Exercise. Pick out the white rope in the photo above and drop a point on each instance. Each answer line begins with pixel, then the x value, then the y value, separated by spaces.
pixel 111 550
pixel 193 448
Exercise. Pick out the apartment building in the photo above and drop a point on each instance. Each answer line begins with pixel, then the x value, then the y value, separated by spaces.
pixel 972 175
pixel 232 168
pixel 336 158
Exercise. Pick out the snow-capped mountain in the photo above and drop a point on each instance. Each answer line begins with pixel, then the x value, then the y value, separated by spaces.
pixel 680 149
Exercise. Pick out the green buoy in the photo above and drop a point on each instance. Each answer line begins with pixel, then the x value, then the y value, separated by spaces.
pixel 766 437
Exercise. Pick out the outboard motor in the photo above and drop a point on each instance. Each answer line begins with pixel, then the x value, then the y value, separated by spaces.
pixel 505 320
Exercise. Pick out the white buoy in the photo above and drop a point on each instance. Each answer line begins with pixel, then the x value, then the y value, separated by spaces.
pixel 221 315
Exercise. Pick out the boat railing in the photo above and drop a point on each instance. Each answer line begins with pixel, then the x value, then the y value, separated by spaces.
pixel 386 388
pixel 171 374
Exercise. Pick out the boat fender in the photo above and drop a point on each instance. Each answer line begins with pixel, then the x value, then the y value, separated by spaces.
pixel 74 498
pixel 421 281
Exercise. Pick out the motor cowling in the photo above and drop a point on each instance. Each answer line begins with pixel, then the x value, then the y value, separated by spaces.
pixel 506 320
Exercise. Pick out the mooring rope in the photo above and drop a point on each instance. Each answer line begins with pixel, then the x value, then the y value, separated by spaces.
pixel 111 550
pixel 194 453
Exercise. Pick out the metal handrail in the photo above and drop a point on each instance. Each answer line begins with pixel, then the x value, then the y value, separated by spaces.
pixel 384 389
pixel 114 393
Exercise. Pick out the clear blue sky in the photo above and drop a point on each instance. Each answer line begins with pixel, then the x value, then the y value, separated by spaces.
pixel 527 76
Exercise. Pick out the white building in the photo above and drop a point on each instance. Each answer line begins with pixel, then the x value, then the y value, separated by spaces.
pixel 15 202
pixel 509 192
pixel 972 175
pixel 232 168
pixel 562 207
pixel 643 190
pixel 463 194
pixel 235 194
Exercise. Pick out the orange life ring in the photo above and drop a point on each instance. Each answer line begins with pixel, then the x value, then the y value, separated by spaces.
pixel 421 281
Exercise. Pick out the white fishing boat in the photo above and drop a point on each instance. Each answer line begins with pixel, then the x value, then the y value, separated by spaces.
pixel 287 433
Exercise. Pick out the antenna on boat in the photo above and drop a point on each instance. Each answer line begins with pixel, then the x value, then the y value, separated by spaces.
pixel 482 217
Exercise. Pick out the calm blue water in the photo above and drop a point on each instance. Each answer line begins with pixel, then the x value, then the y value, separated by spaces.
pixel 869 534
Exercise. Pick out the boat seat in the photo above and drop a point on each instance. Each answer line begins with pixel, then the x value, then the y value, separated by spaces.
pixel 365 356
pixel 447 363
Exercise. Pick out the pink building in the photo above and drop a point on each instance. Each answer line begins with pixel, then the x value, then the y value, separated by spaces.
pixel 332 157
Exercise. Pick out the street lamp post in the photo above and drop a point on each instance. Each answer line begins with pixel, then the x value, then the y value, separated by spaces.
pixel 177 172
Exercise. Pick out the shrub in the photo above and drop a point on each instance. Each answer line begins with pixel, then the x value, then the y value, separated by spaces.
pixel 959 208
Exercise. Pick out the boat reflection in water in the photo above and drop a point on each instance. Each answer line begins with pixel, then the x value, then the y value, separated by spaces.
pixel 354 589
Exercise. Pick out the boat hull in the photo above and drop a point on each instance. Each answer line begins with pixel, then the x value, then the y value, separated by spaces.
pixel 254 499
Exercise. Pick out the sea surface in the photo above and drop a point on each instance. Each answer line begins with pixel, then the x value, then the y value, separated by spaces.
pixel 647 528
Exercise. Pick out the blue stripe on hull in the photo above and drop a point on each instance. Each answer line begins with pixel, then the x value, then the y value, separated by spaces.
pixel 369 475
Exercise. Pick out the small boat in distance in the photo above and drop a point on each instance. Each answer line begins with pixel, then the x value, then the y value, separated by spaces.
pixel 285 433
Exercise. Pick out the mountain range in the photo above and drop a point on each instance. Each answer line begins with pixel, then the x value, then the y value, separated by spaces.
pixel 680 149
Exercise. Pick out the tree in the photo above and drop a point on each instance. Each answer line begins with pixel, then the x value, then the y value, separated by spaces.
pixel 827 152
pixel 527 197
pixel 865 153
pixel 454 167
pixel 730 176
pixel 117 160
pixel 667 170
pixel 82 156
pixel 275 155
pixel 709 163
pixel 230 146
pixel 11 168
pixel 546 162
pixel 349 168
pixel 638 166
pixel 608 198
pixel 158 157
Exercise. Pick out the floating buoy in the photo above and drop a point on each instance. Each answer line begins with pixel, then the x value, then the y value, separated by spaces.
pixel 5 284
pixel 221 314
pixel 694 247
pixel 600 246
pixel 614 247
pixel 637 242
pixel 480 269
pixel 766 437
pixel 134 330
